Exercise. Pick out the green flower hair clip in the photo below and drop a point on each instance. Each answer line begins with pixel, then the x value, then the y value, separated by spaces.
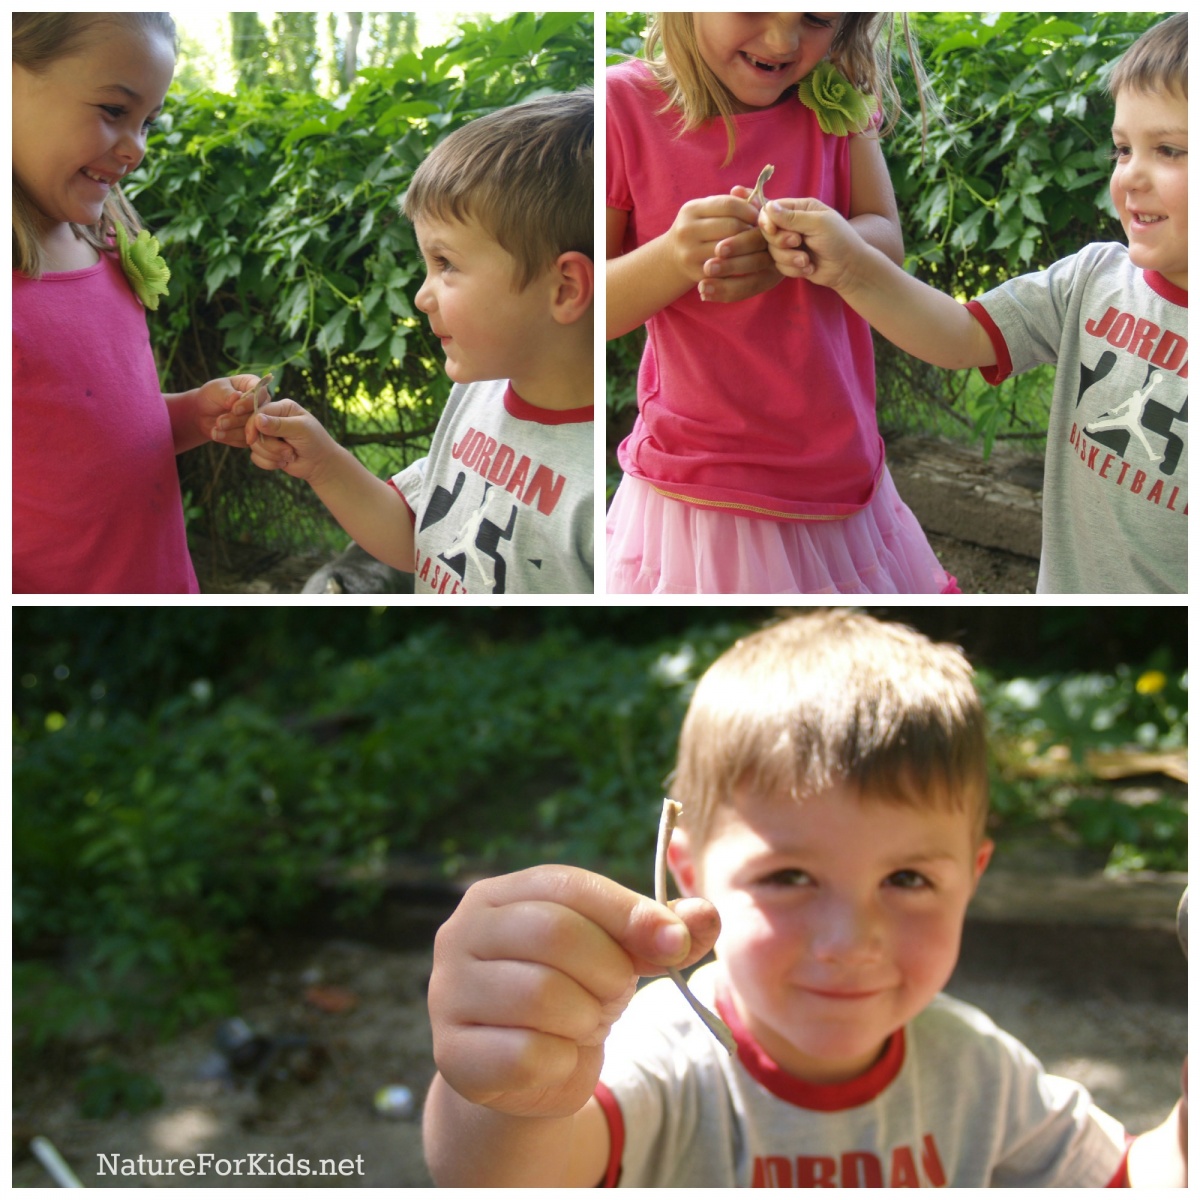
pixel 840 108
pixel 144 267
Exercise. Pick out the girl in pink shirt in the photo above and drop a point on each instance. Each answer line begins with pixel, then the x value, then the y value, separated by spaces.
pixel 755 464
pixel 96 503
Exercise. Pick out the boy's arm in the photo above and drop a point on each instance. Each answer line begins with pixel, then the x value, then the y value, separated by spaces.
pixel 811 241
pixel 370 510
pixel 529 975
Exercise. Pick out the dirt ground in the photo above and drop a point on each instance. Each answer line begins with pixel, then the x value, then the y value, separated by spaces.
pixel 982 518
pixel 1106 1006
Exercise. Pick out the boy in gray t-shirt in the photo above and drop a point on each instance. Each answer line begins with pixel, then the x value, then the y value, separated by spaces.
pixel 1113 319
pixel 833 775
pixel 502 210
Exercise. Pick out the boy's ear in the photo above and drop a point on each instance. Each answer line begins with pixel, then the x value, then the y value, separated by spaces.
pixel 983 856
pixel 574 287
pixel 682 863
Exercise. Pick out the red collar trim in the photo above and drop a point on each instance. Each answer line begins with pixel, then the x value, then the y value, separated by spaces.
pixel 817 1097
pixel 1165 288
pixel 524 411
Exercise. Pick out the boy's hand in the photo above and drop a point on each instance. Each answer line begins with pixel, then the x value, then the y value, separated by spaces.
pixel 810 240
pixel 530 973
pixel 741 265
pixel 221 411
pixel 286 437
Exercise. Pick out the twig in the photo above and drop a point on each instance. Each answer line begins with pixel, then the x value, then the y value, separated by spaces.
pixel 718 1028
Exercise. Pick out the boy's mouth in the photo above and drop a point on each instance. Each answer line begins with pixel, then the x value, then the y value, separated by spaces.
pixel 1146 218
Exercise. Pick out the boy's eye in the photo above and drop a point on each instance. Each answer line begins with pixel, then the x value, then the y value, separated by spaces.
pixel 788 877
pixel 908 880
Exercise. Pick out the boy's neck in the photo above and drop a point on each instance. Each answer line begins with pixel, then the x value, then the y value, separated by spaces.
pixel 558 385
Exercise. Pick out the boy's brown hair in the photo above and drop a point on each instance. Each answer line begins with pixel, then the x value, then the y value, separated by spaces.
pixel 1156 62
pixel 829 698
pixel 524 173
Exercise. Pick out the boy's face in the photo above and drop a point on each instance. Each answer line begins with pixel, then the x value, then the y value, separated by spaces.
pixel 487 330
pixel 1149 181
pixel 840 919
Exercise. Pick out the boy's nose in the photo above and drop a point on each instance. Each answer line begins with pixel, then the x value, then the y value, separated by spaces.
pixel 424 298
pixel 846 933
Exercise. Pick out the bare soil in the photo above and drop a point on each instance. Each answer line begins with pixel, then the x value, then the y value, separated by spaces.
pixel 1106 1005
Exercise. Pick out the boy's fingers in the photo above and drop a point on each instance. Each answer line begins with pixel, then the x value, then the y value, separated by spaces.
pixel 653 936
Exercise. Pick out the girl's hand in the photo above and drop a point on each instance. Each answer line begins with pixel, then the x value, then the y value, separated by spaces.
pixel 222 407
pixel 530 973
pixel 741 265
pixel 810 240
pixel 702 224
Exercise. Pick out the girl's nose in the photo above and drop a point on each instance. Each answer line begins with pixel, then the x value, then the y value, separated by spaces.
pixel 783 33
pixel 131 148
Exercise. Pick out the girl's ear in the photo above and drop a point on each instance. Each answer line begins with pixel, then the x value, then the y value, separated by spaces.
pixel 684 868
pixel 574 287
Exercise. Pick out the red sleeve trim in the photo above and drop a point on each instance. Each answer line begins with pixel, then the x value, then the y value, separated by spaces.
pixel 1121 1178
pixel 392 484
pixel 616 1134
pixel 1003 368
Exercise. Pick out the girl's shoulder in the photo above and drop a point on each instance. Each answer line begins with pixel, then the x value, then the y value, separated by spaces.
pixel 630 77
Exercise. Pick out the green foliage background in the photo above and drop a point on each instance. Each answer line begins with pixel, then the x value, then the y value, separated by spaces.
pixel 279 215
pixel 184 785
pixel 1011 176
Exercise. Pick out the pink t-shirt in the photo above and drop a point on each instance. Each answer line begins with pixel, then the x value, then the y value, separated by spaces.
pixel 766 406
pixel 96 503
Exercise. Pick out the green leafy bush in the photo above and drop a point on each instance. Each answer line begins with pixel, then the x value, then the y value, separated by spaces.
pixel 159 823
pixel 279 216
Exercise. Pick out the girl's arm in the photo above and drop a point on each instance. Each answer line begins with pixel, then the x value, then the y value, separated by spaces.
pixel 873 211
pixel 656 274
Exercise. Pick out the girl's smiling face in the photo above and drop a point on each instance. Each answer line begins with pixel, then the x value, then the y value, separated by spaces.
pixel 80 125
pixel 758 56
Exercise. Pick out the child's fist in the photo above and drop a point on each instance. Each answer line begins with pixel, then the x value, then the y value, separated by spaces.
pixel 530 973
pixel 810 240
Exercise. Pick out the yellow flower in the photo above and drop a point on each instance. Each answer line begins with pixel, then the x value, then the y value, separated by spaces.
pixel 144 267
pixel 840 108
pixel 1151 682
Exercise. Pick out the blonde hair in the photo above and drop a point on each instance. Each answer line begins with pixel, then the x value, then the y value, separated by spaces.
pixel 828 698
pixel 38 40
pixel 1156 62
pixel 524 173
pixel 860 51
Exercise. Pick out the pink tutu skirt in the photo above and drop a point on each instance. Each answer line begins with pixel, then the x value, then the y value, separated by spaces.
pixel 661 546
